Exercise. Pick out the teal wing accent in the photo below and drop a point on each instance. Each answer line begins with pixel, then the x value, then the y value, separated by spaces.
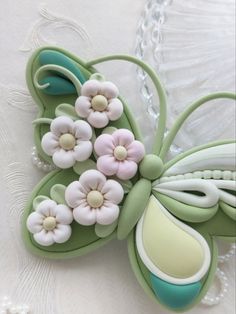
pixel 175 296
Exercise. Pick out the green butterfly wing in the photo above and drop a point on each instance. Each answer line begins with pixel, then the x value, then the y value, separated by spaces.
pixel 58 98
pixel 172 249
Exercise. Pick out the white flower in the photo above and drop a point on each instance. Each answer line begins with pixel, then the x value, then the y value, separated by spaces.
pixel 98 103
pixel 68 141
pixel 50 223
pixel 94 198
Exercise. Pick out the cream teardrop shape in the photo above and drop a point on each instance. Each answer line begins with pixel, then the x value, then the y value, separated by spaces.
pixel 170 249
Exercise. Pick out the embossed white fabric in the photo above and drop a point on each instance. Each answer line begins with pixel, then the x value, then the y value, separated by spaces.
pixel 101 282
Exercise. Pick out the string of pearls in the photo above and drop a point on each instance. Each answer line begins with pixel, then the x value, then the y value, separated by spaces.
pixel 6 307
pixel 40 164
pixel 210 299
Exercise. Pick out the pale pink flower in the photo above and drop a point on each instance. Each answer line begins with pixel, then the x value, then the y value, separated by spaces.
pixel 98 103
pixel 119 153
pixel 94 199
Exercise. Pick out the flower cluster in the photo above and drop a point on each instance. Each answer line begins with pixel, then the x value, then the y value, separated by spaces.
pixel 93 198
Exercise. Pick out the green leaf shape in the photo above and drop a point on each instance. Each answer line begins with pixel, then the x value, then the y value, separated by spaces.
pixel 104 231
pixel 57 85
pixel 57 193
pixel 133 207
pixel 228 210
pixel 39 199
pixel 66 110
pixel 82 166
pixel 126 184
pixel 83 239
pixel 186 212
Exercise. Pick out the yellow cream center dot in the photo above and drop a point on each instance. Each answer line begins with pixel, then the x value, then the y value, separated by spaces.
pixel 120 153
pixel 95 199
pixel 99 103
pixel 49 223
pixel 67 141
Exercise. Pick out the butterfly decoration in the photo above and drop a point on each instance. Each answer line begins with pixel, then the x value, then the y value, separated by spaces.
pixel 105 186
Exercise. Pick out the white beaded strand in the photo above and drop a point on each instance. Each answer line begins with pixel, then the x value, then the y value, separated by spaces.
pixel 40 164
pixel 210 299
pixel 226 257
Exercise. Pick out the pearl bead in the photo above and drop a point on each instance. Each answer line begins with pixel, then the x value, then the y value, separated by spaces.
pixel 95 199
pixel 39 163
pixel 99 103
pixel 120 153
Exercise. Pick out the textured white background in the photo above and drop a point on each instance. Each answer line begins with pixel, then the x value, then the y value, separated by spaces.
pixel 101 282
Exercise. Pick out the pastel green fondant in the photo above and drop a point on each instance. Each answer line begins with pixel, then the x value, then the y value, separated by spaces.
pixel 55 57
pixel 57 193
pixel 133 207
pixel 42 121
pixel 57 86
pixel 175 296
pixel 126 184
pixel 81 166
pixel 104 231
pixel 66 110
pixel 98 77
pixel 109 130
pixel 165 241
pixel 228 210
pixel 85 239
pixel 39 199
pixel 151 167
pixel 186 212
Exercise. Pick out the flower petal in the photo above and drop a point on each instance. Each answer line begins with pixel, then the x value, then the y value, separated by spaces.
pixel 83 130
pixel 47 208
pixel 63 214
pixel 113 191
pixel 107 165
pixel 50 143
pixel 104 145
pixel 123 137
pixel 83 106
pixel 75 194
pixel 92 180
pixel 44 238
pixel 61 233
pixel 62 125
pixel 98 119
pixel 64 159
pixel 136 151
pixel 114 109
pixel 85 215
pixel 107 214
pixel 35 222
pixel 109 90
pixel 83 150
pixel 127 169
pixel 91 88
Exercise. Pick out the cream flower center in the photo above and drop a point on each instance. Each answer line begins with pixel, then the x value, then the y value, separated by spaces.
pixel 120 153
pixel 95 199
pixel 49 223
pixel 99 103
pixel 67 141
